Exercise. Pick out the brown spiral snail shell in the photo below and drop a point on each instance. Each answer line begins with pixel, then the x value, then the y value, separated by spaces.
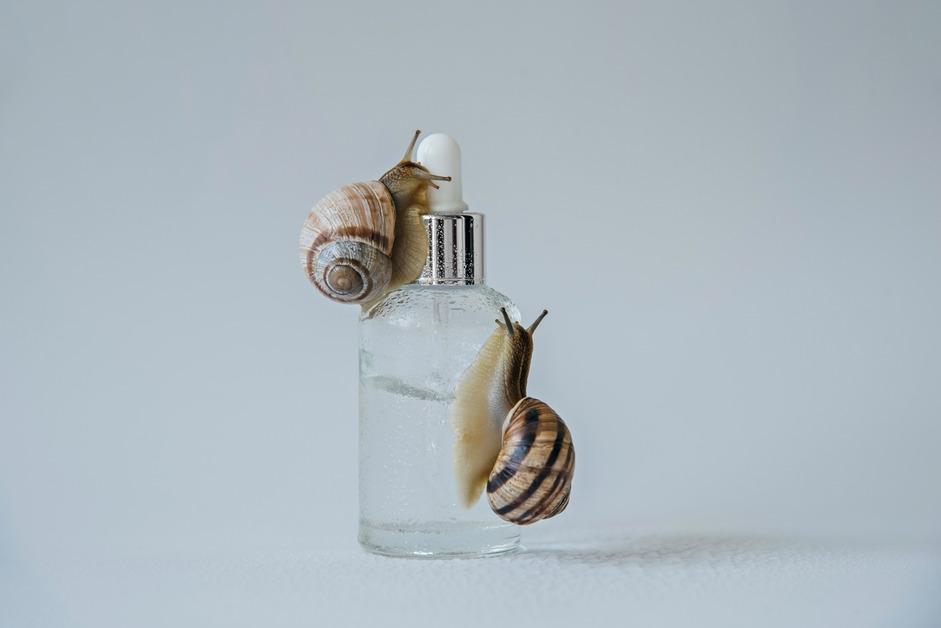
pixel 514 445
pixel 532 478
pixel 365 239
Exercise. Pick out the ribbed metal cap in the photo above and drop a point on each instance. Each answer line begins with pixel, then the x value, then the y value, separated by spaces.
pixel 455 249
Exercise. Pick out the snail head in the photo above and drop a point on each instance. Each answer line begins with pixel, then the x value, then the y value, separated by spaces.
pixel 408 180
pixel 519 352
pixel 515 329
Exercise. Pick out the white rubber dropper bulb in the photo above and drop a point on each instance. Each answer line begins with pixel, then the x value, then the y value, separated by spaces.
pixel 440 154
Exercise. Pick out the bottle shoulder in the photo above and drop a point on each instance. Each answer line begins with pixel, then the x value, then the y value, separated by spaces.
pixel 414 302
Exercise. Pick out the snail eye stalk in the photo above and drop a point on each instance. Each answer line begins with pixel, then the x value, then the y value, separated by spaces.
pixel 536 322
pixel 506 317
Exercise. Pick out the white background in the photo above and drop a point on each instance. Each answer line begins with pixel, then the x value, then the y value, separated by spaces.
pixel 732 211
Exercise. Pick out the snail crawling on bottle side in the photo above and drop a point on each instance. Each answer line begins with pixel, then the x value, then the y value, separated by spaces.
pixel 514 445
pixel 365 239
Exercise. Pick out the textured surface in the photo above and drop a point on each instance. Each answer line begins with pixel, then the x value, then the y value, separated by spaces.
pixel 645 580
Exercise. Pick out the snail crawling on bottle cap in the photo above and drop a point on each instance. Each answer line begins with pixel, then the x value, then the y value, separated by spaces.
pixel 366 239
pixel 516 446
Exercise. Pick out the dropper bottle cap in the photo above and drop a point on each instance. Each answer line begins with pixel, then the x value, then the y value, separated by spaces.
pixel 455 236
pixel 441 155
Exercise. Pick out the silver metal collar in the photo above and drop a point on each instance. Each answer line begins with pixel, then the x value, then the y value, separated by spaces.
pixel 455 249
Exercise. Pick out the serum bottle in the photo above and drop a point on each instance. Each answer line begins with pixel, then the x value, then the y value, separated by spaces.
pixel 414 346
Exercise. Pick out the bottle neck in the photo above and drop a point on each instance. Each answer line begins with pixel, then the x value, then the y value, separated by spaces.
pixel 455 250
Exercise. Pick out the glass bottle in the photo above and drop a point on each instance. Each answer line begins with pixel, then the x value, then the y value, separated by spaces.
pixel 414 347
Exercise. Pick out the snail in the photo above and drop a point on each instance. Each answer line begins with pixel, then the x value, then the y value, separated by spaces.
pixel 514 445
pixel 365 239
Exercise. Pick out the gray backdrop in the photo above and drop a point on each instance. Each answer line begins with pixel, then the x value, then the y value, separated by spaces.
pixel 733 212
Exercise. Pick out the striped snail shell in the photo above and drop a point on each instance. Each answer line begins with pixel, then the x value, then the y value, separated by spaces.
pixel 515 446
pixel 532 478
pixel 364 239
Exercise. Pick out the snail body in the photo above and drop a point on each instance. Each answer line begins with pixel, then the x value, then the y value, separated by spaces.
pixel 514 445
pixel 365 239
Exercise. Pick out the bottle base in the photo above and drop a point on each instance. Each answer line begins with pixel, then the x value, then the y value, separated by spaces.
pixel 438 539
